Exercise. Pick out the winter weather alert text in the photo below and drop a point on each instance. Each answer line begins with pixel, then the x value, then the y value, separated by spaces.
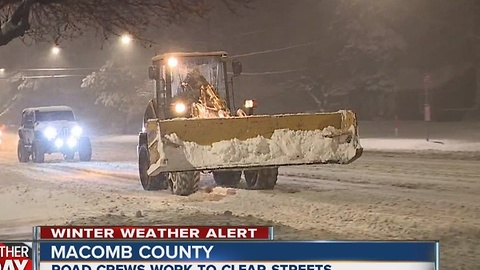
pixel 205 248
pixel 155 233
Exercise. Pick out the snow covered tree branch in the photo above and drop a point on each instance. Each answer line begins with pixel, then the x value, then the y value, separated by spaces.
pixel 119 88
pixel 57 20
pixel 18 86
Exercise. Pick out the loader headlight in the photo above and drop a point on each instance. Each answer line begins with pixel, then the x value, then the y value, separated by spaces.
pixel 77 131
pixel 249 103
pixel 172 62
pixel 50 133
pixel 180 107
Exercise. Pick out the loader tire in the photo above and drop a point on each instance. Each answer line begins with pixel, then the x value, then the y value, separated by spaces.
pixel 261 179
pixel 184 183
pixel 227 178
pixel 149 183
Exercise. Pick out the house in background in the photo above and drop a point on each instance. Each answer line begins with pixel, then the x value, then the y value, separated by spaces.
pixel 452 93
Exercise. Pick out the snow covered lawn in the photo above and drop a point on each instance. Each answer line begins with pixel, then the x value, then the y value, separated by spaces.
pixel 390 144
pixel 383 195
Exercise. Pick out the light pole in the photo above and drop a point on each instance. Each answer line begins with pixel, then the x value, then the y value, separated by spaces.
pixel 3 85
pixel 427 108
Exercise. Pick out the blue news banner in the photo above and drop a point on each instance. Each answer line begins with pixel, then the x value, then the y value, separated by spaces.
pixel 271 255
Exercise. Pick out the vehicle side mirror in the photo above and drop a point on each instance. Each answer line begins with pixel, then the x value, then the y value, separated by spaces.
pixel 236 67
pixel 152 73
pixel 29 123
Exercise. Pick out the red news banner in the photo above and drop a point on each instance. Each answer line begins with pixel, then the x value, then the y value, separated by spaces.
pixel 156 232
pixel 16 256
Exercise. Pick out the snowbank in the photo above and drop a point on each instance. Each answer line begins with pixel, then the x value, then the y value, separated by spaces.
pixel 284 147
pixel 378 144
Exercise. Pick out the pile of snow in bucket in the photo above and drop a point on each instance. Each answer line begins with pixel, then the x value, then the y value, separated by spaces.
pixel 284 147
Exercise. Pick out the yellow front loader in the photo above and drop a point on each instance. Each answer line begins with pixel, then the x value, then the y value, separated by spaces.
pixel 192 126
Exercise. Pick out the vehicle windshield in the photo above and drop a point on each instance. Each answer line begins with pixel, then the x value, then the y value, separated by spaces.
pixel 211 68
pixel 54 116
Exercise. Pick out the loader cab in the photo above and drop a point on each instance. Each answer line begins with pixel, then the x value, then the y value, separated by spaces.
pixel 171 71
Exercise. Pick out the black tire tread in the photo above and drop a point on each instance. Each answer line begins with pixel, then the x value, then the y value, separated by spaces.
pixel 38 154
pixel 184 183
pixel 22 154
pixel 149 183
pixel 227 178
pixel 85 149
pixel 261 179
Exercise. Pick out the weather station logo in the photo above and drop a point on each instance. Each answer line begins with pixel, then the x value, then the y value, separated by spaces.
pixel 16 256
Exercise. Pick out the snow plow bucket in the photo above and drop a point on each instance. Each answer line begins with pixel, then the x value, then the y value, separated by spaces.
pixel 252 141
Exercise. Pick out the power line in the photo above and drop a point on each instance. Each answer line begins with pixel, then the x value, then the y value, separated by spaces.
pixel 45 76
pixel 271 72
pixel 278 50
pixel 251 32
pixel 69 69
pixel 55 69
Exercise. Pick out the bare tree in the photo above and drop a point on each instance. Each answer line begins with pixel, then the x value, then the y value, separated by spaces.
pixel 57 20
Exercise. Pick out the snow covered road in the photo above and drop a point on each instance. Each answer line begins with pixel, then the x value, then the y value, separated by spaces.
pixel 384 195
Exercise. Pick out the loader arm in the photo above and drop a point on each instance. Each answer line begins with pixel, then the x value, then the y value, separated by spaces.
pixel 209 102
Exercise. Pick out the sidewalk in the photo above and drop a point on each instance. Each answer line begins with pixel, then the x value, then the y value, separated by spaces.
pixel 455 136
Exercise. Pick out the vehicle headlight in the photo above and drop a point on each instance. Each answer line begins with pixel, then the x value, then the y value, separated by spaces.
pixel 172 62
pixel 180 107
pixel 58 143
pixel 77 131
pixel 50 133
pixel 72 142
pixel 249 103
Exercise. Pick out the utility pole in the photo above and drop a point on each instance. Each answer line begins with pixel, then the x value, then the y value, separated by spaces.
pixel 427 81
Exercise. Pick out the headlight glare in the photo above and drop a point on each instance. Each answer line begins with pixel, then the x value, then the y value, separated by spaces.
pixel 77 131
pixel 50 133
pixel 180 107
pixel 58 143
pixel 72 142
pixel 249 103
pixel 172 62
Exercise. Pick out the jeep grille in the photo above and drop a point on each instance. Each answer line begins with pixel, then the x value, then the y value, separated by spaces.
pixel 64 133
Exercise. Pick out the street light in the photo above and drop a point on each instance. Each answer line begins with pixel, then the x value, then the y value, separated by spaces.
pixel 172 62
pixel 126 39
pixel 55 50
